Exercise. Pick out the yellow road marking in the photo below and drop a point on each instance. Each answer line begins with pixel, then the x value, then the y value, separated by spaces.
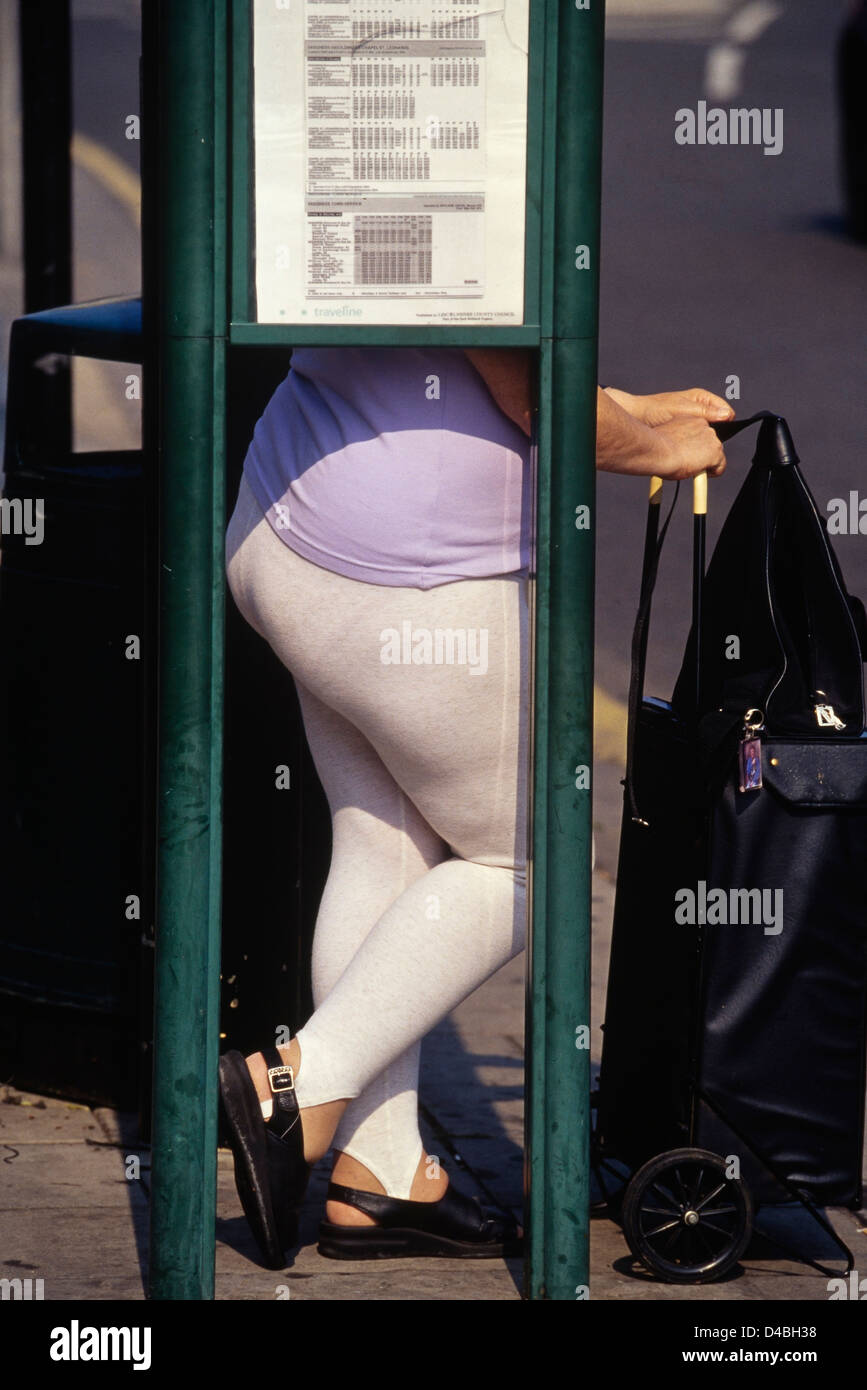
pixel 609 728
pixel 111 172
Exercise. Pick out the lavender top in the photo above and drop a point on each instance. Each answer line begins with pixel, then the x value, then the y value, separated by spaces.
pixel 393 466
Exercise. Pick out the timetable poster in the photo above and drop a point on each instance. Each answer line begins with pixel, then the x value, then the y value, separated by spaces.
pixel 390 161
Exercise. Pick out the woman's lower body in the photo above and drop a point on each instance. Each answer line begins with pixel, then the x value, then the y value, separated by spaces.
pixel 415 708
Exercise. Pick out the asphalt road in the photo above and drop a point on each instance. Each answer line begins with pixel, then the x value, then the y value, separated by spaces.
pixel 105 56
pixel 105 52
pixel 720 260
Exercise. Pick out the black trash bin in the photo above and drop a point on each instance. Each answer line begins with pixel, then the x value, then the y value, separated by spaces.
pixel 78 708
pixel 76 637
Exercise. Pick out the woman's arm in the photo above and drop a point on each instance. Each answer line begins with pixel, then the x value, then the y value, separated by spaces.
pixel 662 407
pixel 675 442
pixel 508 375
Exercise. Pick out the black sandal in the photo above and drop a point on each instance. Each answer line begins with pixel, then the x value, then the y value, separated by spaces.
pixel 453 1227
pixel 270 1172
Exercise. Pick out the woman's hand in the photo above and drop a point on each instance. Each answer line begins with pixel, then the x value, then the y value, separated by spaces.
pixel 679 447
pixel 686 445
pixel 668 405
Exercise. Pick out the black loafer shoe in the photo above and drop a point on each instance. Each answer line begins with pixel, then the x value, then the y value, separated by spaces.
pixel 455 1227
pixel 270 1172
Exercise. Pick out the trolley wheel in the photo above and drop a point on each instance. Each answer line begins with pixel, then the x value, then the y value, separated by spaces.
pixel 684 1219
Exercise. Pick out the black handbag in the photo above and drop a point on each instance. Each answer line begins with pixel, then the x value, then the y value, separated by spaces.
pixel 737 996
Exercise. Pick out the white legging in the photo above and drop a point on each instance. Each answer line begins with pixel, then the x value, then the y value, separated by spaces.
pixel 424 764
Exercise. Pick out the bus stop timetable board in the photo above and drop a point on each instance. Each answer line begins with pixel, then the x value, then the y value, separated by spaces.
pixel 390 161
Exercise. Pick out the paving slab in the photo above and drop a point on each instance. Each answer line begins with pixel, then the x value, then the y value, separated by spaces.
pixel 393 1280
pixel 472 1089
pixel 65 1177
pixel 120 1127
pixel 26 1119
pixel 88 1251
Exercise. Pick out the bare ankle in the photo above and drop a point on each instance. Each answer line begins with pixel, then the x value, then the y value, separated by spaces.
pixel 318 1122
pixel 430 1181
pixel 291 1054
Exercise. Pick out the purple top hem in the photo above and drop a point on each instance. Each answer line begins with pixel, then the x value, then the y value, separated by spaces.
pixel 394 467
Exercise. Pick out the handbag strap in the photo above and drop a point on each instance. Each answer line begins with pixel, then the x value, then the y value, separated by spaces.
pixel 774 444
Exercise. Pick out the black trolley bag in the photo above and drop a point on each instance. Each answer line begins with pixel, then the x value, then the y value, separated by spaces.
pixel 733 1059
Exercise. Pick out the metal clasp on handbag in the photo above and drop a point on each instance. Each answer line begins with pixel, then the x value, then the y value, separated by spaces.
pixel 825 716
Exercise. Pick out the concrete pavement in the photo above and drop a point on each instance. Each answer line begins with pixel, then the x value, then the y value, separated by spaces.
pixel 71 1216
pixel 75 1180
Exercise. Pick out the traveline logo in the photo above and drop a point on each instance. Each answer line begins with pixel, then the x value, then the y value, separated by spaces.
pixel 76 1343
pixel 738 126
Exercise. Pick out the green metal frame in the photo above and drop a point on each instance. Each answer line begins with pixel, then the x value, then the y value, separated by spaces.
pixel 192 331
pixel 557 1123
pixel 205 265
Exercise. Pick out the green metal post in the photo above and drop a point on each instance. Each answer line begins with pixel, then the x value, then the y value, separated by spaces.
pixel 191 332
pixel 558 1080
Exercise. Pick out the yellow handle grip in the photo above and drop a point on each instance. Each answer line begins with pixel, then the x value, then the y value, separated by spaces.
pixel 655 491
pixel 699 494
